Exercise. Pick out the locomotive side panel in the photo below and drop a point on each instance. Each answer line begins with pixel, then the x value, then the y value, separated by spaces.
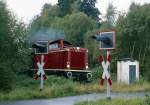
pixel 52 60
pixel 56 60
pixel 63 58
pixel 77 60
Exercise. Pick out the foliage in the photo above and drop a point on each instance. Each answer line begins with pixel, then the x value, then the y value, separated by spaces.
pixel 75 26
pixel 93 47
pixel 110 16
pixel 67 9
pixel 12 39
pixel 64 6
pixel 147 100
pixel 75 6
pixel 6 44
pixel 88 7
pixel 6 78
pixel 48 14
pixel 97 73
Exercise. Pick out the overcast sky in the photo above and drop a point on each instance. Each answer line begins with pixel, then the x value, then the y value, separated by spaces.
pixel 27 9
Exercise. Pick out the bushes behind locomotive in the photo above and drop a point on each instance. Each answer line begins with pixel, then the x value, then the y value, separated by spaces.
pixel 97 72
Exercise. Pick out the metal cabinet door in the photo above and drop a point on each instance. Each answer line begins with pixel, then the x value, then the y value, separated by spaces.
pixel 132 73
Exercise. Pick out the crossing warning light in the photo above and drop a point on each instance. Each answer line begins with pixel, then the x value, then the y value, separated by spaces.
pixel 107 40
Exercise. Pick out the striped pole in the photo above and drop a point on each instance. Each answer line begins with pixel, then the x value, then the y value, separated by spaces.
pixel 106 75
pixel 105 66
pixel 40 71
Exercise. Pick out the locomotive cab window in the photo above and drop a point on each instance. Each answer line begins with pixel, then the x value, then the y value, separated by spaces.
pixel 53 46
pixel 41 47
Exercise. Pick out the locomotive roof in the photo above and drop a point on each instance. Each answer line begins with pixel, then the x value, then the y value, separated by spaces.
pixel 57 41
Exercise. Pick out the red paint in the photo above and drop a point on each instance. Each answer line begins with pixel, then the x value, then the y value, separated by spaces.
pixel 101 59
pixel 110 81
pixel 101 82
pixel 36 77
pixel 109 58
pixel 44 77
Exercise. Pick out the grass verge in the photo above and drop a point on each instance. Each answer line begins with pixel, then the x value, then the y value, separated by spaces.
pixel 144 101
pixel 28 88
pixel 113 102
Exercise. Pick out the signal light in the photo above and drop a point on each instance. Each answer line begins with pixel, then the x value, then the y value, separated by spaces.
pixel 107 39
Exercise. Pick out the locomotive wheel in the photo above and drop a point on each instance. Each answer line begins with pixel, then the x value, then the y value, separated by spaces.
pixel 89 77
pixel 69 75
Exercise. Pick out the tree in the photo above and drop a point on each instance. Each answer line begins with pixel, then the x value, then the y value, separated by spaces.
pixel 111 13
pixel 75 26
pixel 64 6
pixel 109 23
pixel 6 41
pixel 75 6
pixel 88 7
pixel 11 38
pixel 48 13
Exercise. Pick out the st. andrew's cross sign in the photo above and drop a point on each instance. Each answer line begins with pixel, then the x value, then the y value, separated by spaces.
pixel 41 72
pixel 107 40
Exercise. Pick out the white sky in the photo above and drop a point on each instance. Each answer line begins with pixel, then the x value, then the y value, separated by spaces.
pixel 27 9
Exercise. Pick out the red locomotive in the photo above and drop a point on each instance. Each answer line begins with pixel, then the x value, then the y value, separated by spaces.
pixel 61 57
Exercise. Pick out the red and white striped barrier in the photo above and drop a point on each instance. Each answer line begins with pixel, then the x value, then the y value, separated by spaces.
pixel 105 67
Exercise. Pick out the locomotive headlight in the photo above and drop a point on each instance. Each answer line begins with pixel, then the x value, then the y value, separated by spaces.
pixel 68 66
pixel 78 48
pixel 86 66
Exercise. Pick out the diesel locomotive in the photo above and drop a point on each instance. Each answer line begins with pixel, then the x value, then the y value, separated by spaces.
pixel 61 57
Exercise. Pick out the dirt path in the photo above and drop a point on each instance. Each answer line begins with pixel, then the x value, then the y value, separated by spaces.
pixel 71 100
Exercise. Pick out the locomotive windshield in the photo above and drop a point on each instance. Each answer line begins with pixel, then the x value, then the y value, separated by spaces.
pixel 41 47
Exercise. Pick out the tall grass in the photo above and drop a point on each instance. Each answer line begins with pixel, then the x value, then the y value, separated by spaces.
pixel 28 88
pixel 145 86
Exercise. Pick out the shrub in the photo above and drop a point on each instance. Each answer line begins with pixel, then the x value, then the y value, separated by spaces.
pixel 6 79
pixel 97 72
pixel 147 100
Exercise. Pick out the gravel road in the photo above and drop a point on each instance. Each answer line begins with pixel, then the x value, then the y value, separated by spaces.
pixel 71 100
